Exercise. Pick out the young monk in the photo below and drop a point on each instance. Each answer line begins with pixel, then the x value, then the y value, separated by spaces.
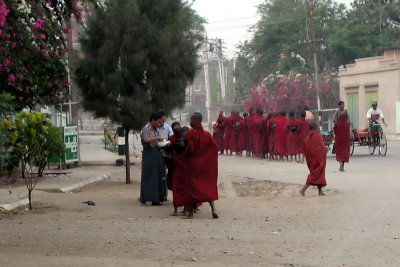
pixel 258 139
pixel 201 167
pixel 271 131
pixel 281 136
pixel 243 138
pixel 342 139
pixel 228 129
pixel 315 152
pixel 219 131
pixel 303 132
pixel 292 130
pixel 235 132
pixel 178 175
pixel 248 122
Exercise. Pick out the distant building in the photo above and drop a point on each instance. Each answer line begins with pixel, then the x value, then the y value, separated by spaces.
pixel 373 79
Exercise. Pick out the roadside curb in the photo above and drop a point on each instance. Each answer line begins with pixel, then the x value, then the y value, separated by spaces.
pixel 21 202
pixel 87 182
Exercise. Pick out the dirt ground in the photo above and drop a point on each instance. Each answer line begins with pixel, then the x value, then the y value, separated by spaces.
pixel 262 223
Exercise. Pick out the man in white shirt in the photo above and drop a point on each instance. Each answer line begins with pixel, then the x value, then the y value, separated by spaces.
pixel 374 114
pixel 165 130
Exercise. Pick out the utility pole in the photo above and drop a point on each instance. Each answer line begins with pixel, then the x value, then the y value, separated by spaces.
pixel 222 77
pixel 314 44
pixel 207 84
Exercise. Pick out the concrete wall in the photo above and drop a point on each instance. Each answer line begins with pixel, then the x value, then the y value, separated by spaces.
pixel 373 74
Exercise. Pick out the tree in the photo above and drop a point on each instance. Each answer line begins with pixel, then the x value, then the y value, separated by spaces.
pixel 138 57
pixel 279 92
pixel 32 140
pixel 33 62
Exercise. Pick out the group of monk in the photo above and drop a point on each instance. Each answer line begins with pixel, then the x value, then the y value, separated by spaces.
pixel 272 136
pixel 193 171
pixel 275 137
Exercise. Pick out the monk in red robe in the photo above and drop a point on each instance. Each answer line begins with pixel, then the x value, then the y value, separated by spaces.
pixel 303 132
pixel 271 125
pixel 201 167
pixel 264 134
pixel 218 130
pixel 243 138
pixel 315 152
pixel 258 139
pixel 178 174
pixel 248 122
pixel 235 132
pixel 342 139
pixel 292 130
pixel 281 136
pixel 227 124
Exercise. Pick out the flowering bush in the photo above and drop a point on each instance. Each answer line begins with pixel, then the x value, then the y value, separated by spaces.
pixel 33 46
pixel 279 92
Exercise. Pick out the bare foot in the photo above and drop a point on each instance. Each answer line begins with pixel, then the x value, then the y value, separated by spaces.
pixel 301 192
pixel 215 216
pixel 174 214
pixel 321 194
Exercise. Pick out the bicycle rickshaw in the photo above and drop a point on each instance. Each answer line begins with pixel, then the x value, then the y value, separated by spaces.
pixel 372 137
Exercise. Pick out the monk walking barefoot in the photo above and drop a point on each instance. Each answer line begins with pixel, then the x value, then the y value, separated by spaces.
pixel 201 167
pixel 315 153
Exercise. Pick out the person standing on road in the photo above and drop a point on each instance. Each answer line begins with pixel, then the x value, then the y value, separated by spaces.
pixel 303 133
pixel 315 152
pixel 165 129
pixel 201 167
pixel 342 139
pixel 218 130
pixel 336 116
pixel 292 130
pixel 151 185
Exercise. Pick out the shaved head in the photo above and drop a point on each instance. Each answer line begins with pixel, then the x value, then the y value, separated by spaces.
pixel 197 117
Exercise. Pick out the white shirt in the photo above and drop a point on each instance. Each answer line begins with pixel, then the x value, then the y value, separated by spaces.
pixel 165 131
pixel 375 114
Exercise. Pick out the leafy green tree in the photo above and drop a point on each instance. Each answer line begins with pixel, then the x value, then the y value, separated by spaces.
pixel 138 57
pixel 368 26
pixel 32 140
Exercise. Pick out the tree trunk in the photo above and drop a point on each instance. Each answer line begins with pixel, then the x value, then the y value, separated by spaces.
pixel 30 199
pixel 128 163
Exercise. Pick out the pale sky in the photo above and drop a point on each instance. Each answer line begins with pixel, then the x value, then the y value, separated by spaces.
pixel 230 20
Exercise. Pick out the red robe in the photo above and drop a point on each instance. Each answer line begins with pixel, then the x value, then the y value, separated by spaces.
pixel 281 136
pixel 292 129
pixel 342 140
pixel 227 124
pixel 271 126
pixel 303 132
pixel 258 139
pixel 178 176
pixel 201 166
pixel 249 121
pixel 219 134
pixel 235 133
pixel 264 134
pixel 243 136
pixel 315 152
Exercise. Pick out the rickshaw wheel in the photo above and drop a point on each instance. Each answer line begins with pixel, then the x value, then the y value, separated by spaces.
pixel 382 145
pixel 371 146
